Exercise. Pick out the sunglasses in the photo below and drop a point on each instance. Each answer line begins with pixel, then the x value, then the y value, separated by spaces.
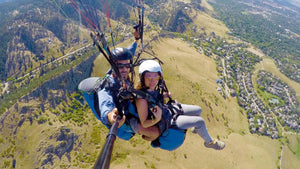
pixel 152 77
pixel 120 66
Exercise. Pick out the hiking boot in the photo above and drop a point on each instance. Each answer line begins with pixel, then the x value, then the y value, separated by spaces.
pixel 215 144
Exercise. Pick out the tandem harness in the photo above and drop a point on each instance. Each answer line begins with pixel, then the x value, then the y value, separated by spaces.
pixel 175 108
pixel 171 137
pixel 90 87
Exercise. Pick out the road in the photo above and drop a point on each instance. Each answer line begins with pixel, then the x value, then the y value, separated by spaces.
pixel 227 91
pixel 288 94
pixel 56 60
pixel 6 84
pixel 253 101
pixel 5 88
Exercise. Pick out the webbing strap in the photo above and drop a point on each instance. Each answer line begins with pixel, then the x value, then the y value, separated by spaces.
pixel 99 85
pixel 103 83
pixel 139 94
pixel 175 111
pixel 96 104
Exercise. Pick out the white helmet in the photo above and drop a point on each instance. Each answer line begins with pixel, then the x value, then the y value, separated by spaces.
pixel 150 66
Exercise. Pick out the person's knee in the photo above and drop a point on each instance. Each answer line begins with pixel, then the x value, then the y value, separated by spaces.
pixel 192 109
pixel 199 110
pixel 200 123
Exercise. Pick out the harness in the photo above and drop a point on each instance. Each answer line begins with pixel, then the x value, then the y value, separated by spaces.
pixel 171 137
pixel 92 85
pixel 104 83
pixel 165 121
pixel 168 116
pixel 172 106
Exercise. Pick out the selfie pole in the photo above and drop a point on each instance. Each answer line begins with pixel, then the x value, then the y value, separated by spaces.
pixel 103 160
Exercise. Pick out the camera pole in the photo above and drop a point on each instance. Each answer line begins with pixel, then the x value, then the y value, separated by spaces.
pixel 103 160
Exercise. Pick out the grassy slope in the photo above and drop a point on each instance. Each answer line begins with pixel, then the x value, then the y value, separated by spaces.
pixel 290 160
pixel 31 141
pixel 210 24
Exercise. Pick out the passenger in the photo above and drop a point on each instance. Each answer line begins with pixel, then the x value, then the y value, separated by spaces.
pixel 151 78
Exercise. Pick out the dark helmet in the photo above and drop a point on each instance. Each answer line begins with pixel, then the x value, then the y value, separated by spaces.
pixel 121 54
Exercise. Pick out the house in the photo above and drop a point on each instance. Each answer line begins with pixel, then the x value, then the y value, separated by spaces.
pixel 258 122
pixel 219 81
pixel 274 101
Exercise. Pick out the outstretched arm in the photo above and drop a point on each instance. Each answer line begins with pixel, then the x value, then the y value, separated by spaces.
pixel 133 46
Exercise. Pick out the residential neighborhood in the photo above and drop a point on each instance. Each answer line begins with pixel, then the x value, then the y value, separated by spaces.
pixel 286 113
pixel 271 104
pixel 265 116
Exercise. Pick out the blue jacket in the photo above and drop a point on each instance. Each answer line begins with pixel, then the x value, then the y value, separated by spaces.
pixel 106 102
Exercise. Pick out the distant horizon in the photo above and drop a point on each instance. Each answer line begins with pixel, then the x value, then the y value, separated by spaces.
pixel 3 1
pixel 295 2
